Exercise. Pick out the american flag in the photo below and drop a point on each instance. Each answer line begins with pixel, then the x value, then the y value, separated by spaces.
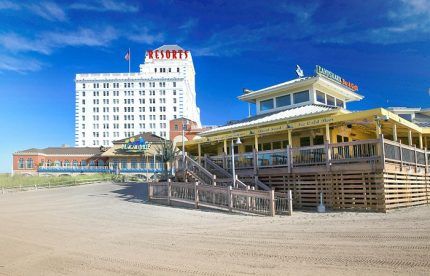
pixel 127 55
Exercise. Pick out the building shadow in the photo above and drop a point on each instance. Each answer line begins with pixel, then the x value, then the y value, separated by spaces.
pixel 133 192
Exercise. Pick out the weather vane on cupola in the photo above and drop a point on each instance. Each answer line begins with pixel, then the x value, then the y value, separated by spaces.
pixel 299 71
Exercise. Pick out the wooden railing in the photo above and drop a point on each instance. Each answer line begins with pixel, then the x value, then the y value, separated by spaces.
pixel 308 156
pixel 373 151
pixel 248 201
pixel 187 164
pixel 227 177
pixel 404 155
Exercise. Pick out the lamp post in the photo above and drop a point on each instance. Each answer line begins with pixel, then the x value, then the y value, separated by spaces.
pixel 233 170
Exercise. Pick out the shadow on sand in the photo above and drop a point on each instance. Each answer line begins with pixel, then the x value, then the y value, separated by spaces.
pixel 138 193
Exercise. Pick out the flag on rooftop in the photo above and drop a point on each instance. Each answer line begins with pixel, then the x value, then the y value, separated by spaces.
pixel 127 55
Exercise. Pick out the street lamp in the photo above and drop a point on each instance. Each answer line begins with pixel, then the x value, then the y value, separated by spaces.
pixel 238 142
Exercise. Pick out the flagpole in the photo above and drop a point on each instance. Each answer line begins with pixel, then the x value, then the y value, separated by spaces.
pixel 129 59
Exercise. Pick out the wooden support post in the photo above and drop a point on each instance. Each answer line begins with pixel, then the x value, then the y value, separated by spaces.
pixel 225 146
pixel 290 158
pixel 290 202
pixel 410 138
pixel 378 130
pixel 255 161
pixel 150 191
pixel 381 143
pixel 327 133
pixel 169 191
pixel 252 200
pixel 196 194
pixel 290 138
pixel 248 200
pixel 256 142
pixel 230 199
pixel 328 155
pixel 421 141
pixel 416 160
pixel 401 155
pixel 224 161
pixel 199 150
pixel 272 203
pixel 395 132
pixel 426 161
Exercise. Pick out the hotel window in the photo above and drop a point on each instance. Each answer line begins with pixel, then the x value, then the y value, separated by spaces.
pixel 266 105
pixel 339 103
pixel 174 84
pixel 21 163
pixel 301 97
pixel 320 97
pixel 83 85
pixel 330 100
pixel 283 101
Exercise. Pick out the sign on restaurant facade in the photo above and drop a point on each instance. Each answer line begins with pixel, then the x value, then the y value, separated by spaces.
pixel 326 73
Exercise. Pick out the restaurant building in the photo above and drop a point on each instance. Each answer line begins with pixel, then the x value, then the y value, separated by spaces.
pixel 137 155
pixel 303 138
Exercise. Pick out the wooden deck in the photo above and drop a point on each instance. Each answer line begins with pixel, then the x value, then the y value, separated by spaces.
pixel 376 175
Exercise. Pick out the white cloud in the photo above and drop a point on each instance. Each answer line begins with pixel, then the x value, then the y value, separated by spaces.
pixel 49 11
pixel 46 42
pixel 105 5
pixel 8 5
pixel 19 64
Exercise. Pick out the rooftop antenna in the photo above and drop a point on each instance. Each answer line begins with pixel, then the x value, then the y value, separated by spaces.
pixel 299 71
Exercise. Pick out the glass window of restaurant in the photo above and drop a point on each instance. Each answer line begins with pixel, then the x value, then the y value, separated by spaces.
pixel 320 97
pixel 305 141
pixel 331 100
pixel 266 105
pixel 301 97
pixel 339 103
pixel 283 101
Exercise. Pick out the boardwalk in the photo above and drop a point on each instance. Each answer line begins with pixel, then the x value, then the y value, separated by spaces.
pixel 106 229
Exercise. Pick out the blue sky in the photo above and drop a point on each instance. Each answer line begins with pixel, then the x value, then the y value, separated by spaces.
pixel 383 46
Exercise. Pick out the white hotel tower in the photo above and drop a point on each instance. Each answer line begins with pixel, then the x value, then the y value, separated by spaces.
pixel 113 106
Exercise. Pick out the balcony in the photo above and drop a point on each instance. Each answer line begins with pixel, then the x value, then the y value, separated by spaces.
pixel 375 154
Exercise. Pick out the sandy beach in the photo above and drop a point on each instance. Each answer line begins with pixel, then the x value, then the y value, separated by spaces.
pixel 109 229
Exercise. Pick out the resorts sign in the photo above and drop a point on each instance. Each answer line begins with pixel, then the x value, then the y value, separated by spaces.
pixel 326 73
pixel 168 54
pixel 136 145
